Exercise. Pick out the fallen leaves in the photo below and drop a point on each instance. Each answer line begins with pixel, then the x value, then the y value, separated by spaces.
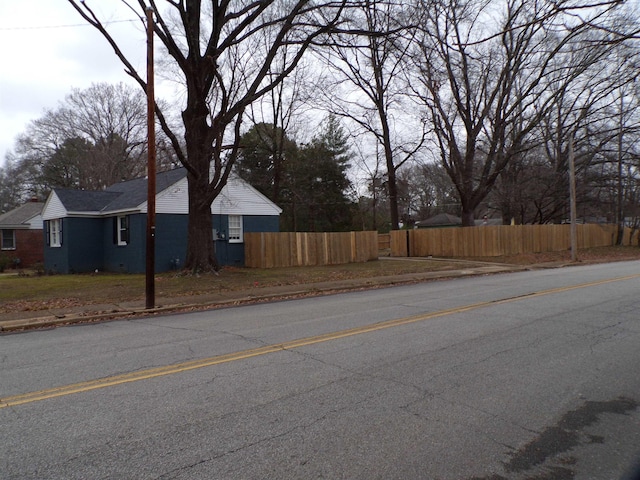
pixel 39 305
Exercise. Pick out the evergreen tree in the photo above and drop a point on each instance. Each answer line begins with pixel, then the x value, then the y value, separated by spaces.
pixel 318 182
pixel 263 159
pixel 308 182
pixel 65 167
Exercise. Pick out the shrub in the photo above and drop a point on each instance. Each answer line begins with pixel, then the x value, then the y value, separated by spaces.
pixel 38 268
pixel 5 261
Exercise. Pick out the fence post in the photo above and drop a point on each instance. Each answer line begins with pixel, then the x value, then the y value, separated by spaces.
pixel 408 244
pixel 354 249
pixel 325 237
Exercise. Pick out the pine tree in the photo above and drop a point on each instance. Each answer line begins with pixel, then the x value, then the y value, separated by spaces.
pixel 319 180
pixel 308 182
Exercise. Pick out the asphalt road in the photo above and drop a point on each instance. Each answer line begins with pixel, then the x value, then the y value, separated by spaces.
pixel 531 375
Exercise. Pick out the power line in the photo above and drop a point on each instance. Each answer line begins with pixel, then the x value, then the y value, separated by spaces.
pixel 75 25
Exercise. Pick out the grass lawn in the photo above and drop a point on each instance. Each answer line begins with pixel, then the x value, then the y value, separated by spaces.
pixel 30 292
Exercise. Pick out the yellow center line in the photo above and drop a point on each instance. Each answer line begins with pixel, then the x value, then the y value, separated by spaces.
pixel 40 395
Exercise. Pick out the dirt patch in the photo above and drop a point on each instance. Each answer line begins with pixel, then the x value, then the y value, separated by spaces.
pixel 591 255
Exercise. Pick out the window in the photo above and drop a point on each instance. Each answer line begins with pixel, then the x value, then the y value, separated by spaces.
pixel 235 229
pixel 121 226
pixel 54 234
pixel 8 240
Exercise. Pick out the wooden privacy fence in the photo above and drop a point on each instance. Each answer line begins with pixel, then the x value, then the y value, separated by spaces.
pixel 493 241
pixel 295 249
pixel 384 241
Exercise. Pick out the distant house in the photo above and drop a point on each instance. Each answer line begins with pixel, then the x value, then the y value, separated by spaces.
pixel 445 220
pixel 488 221
pixel 106 230
pixel 21 234
pixel 439 221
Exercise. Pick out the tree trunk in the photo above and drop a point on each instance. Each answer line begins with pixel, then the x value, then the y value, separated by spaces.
pixel 507 214
pixel 468 218
pixel 392 187
pixel 200 150
pixel 374 205
pixel 200 252
pixel 393 197
pixel 619 196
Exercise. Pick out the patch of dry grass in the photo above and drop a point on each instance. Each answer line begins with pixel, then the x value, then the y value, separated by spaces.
pixel 25 293
pixel 590 255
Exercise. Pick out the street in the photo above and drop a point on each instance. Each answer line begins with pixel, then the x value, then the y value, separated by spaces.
pixel 530 375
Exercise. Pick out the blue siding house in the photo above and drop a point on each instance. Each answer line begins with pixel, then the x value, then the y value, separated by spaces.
pixel 85 231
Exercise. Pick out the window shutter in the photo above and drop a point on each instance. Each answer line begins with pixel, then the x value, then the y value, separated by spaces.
pixel 125 221
pixel 115 230
pixel 60 223
pixel 48 232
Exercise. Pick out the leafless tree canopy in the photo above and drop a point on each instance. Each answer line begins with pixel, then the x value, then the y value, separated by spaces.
pixel 94 138
pixel 368 86
pixel 491 93
pixel 489 72
pixel 216 47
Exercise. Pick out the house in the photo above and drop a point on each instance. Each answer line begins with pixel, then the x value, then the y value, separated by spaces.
pixel 106 230
pixel 21 234
pixel 486 221
pixel 439 221
pixel 446 220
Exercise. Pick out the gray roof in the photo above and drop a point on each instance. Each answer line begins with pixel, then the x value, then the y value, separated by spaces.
pixel 85 200
pixel 442 219
pixel 488 221
pixel 18 217
pixel 120 196
pixel 134 192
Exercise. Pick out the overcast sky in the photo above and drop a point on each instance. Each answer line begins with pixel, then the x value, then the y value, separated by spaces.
pixel 46 49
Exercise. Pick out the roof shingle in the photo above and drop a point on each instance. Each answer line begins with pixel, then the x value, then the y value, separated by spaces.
pixel 120 196
pixel 134 192
pixel 20 215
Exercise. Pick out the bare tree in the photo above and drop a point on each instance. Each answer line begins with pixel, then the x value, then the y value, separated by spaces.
pixel 486 88
pixel 275 118
pixel 628 113
pixel 427 191
pixel 591 113
pixel 215 46
pixel 540 176
pixel 94 138
pixel 374 184
pixel 372 64
pixel 14 186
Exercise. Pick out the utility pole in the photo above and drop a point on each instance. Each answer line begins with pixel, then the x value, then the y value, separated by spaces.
pixel 619 199
pixel 572 195
pixel 151 170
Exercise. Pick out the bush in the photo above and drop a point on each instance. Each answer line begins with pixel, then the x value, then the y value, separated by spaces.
pixel 5 261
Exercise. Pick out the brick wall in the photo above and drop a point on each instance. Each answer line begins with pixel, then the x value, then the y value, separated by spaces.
pixel 29 247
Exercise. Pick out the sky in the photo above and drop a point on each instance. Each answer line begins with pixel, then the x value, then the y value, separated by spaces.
pixel 46 49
